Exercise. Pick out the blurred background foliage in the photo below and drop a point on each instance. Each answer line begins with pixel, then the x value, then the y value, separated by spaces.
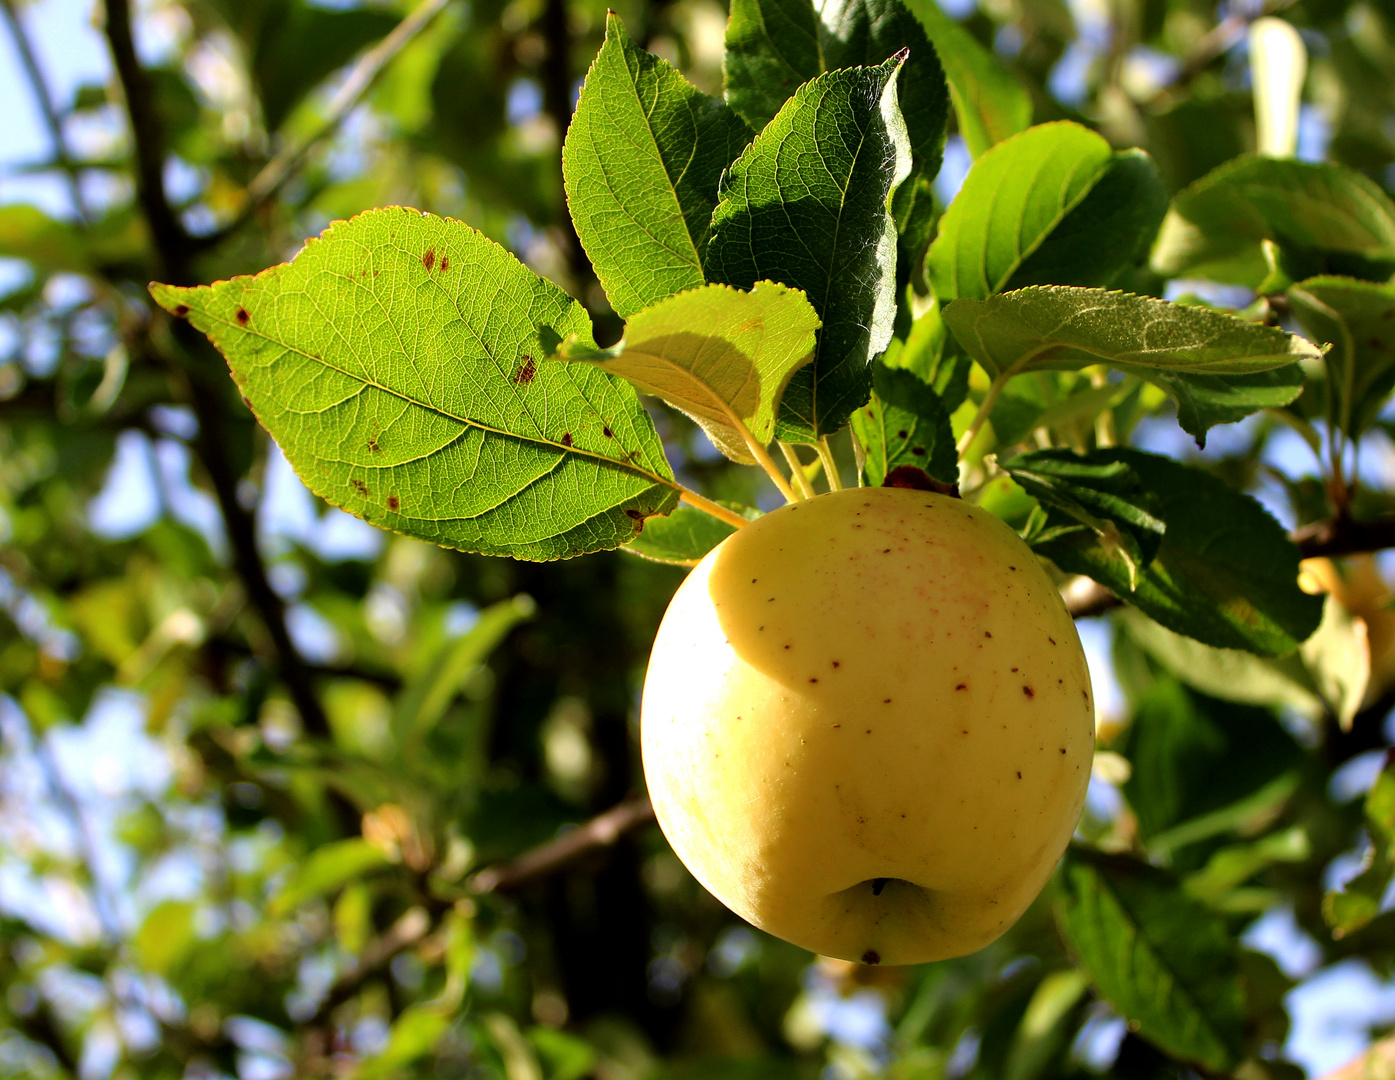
pixel 281 795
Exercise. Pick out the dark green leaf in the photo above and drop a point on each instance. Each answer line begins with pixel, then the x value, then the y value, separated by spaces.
pixel 806 205
pixel 1165 962
pixel 1357 318
pixel 684 536
pixel 1110 229
pixel 643 155
pixel 931 354
pixel 1325 217
pixel 1098 491
pixel 989 102
pixel 1193 755
pixel 398 362
pixel 904 425
pixel 1225 573
pixel 1205 400
pixel 1013 197
pixel 773 48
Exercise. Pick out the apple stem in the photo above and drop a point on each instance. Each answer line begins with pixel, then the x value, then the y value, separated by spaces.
pixel 766 462
pixel 801 482
pixel 707 506
pixel 830 464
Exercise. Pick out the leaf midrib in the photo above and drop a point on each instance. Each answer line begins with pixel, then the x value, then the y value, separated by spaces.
pixel 466 421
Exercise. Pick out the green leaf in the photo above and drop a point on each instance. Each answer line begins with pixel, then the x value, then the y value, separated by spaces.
pixel 329 867
pixel 1203 401
pixel 1359 900
pixel 28 233
pixel 1110 229
pixel 1357 318
pixel 1338 655
pixel 1193 755
pixel 1325 217
pixel 721 355
pixel 426 697
pixel 905 425
pixel 1217 367
pixel 1012 199
pixel 933 356
pixel 1229 674
pixel 1233 865
pixel 1163 960
pixel 643 155
pixel 166 937
pixel 685 536
pixel 806 205
pixel 398 362
pixel 1225 574
pixel 773 48
pixel 989 102
pixel 1098 491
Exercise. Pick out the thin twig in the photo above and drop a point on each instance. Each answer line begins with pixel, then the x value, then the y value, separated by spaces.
pixel 707 506
pixel 29 59
pixel 1216 41
pixel 273 177
pixel 802 487
pixel 407 931
pixel 600 832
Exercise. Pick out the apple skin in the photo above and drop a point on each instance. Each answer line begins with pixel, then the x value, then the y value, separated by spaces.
pixel 867 725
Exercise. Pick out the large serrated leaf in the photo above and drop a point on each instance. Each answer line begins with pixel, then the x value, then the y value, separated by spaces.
pixel 989 102
pixel 721 355
pixel 905 424
pixel 806 204
pixel 1163 960
pixel 772 48
pixel 1357 318
pixel 1013 197
pixel 1217 367
pixel 1325 217
pixel 398 362
pixel 643 155
pixel 1225 573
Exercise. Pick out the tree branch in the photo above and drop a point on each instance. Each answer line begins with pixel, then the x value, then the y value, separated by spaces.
pixel 274 175
pixel 171 242
pixel 29 60
pixel 204 379
pixel 600 832
pixel 407 931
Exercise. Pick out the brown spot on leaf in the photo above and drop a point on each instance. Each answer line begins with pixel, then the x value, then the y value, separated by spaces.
pixel 359 486
pixel 566 438
pixel 903 434
pixel 373 445
pixel 445 262
pixel 524 375
pixel 393 504
pixel 429 259
pixel 607 433
pixel 918 451
pixel 242 316
pixel 634 515
pixel 181 310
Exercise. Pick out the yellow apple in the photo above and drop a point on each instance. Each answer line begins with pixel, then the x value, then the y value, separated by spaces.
pixel 867 725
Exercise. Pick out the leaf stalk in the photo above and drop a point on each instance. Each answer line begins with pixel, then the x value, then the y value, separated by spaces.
pixel 707 506
pixel 803 488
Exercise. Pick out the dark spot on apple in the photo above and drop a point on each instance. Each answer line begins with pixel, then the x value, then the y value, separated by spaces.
pixel 837 663
pixel 1029 692
pixel 181 310
pixel 813 680
pixel 429 259
pixel 393 504
pixel 1014 669
pixel 1063 749
pixel 871 956
pixel 1012 568
pixel 962 686
pixel 242 316
pixel 837 726
pixel 878 883
pixel 1019 776
pixel 1052 640
pixel 524 375
pixel 886 701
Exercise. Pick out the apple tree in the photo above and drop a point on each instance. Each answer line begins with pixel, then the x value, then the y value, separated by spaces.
pixel 562 301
